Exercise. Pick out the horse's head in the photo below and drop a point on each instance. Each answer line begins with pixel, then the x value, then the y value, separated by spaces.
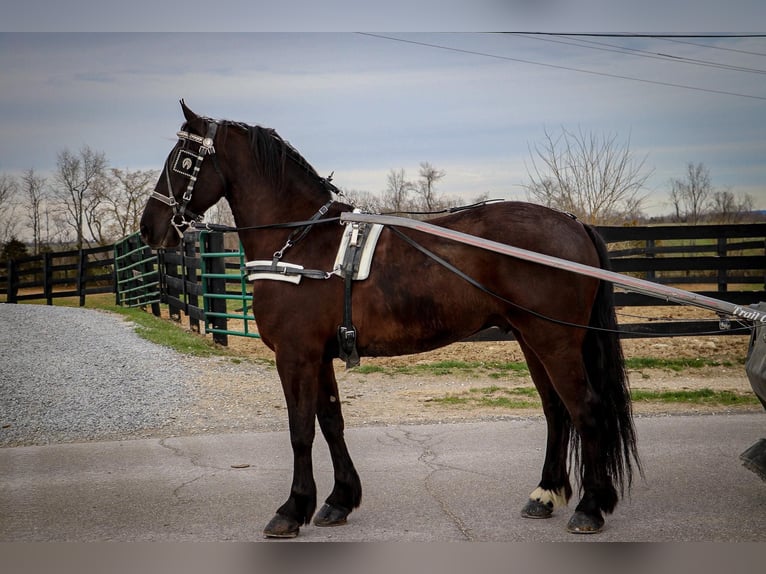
pixel 190 183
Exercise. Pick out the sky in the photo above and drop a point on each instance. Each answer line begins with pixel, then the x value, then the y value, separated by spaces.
pixel 359 102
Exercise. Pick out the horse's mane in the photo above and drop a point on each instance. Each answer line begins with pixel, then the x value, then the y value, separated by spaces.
pixel 271 153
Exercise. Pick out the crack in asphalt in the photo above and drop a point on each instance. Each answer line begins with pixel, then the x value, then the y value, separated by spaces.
pixel 194 460
pixel 430 459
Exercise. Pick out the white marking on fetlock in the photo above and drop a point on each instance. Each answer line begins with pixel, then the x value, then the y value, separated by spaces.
pixel 548 497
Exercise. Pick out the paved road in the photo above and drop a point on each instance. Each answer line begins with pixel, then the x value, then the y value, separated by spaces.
pixel 422 483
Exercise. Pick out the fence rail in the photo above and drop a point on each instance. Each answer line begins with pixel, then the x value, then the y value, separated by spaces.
pixel 204 280
pixel 74 273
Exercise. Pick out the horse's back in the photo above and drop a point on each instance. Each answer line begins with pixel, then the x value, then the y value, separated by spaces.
pixel 527 225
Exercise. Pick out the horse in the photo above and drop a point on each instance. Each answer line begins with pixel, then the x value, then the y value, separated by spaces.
pixel 422 292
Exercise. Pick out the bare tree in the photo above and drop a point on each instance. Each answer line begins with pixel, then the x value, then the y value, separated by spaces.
pixel 728 207
pixel 33 189
pixel 221 213
pixel 426 186
pixel 596 178
pixel 690 196
pixel 364 200
pixel 398 188
pixel 79 183
pixel 123 199
pixel 8 221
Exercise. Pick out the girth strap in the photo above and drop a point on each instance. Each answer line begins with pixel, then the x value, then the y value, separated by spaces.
pixel 347 335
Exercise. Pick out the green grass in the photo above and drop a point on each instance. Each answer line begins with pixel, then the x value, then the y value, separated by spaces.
pixel 526 397
pixel 638 363
pixel 492 368
pixel 493 396
pixel 703 396
pixel 502 370
pixel 168 334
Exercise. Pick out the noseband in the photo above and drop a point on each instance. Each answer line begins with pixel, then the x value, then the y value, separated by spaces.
pixel 188 164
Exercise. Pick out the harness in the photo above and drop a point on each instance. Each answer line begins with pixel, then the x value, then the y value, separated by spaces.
pixel 352 262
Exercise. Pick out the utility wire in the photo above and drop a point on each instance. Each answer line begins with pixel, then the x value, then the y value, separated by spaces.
pixel 560 67
pixel 631 35
pixel 602 46
pixel 724 48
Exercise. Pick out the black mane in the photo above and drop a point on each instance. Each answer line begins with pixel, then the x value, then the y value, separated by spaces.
pixel 271 153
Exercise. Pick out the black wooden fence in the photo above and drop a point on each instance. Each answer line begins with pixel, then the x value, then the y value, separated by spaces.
pixel 726 262
pixel 75 273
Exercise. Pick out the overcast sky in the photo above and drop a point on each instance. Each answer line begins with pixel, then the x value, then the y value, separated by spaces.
pixel 471 104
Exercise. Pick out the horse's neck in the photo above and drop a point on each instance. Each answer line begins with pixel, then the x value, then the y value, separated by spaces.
pixel 262 205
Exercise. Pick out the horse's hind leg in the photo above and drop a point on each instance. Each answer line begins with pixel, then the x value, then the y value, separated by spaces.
pixel 347 491
pixel 559 351
pixel 554 489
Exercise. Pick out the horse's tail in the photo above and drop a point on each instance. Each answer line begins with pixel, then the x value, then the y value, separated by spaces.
pixel 605 367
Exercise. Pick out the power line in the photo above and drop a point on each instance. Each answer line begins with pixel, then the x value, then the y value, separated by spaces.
pixel 604 47
pixel 567 68
pixel 631 35
pixel 724 48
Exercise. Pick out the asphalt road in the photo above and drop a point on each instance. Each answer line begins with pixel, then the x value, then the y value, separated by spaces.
pixel 447 482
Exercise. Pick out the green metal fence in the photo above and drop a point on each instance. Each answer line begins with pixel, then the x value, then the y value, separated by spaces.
pixel 137 281
pixel 224 288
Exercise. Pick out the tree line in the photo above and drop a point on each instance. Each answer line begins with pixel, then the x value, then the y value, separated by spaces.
pixel 598 178
pixel 83 203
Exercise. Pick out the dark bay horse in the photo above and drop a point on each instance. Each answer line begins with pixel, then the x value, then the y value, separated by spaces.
pixel 410 303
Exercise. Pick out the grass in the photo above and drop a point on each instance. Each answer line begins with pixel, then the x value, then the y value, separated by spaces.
pixel 526 397
pixel 700 397
pixel 494 397
pixel 500 369
pixel 495 369
pixel 678 365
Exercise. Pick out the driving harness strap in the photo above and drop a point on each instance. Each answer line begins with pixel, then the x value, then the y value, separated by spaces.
pixel 347 334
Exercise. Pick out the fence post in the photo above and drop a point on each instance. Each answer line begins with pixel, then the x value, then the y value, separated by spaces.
pixel 214 286
pixel 170 292
pixel 190 276
pixel 81 267
pixel 722 280
pixel 147 267
pixel 117 253
pixel 650 253
pixel 13 282
pixel 48 277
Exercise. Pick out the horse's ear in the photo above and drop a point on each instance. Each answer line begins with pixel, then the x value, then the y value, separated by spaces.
pixel 188 114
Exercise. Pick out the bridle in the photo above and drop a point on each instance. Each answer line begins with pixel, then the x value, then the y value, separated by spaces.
pixel 188 164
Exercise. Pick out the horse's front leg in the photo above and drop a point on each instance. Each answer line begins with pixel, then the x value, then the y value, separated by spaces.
pixel 347 490
pixel 300 382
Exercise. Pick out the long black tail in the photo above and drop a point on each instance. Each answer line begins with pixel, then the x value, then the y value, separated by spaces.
pixel 605 366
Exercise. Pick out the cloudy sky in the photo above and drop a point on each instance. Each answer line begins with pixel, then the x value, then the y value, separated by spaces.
pixel 361 104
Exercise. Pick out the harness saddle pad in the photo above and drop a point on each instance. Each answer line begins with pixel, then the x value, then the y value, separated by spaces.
pixel 365 239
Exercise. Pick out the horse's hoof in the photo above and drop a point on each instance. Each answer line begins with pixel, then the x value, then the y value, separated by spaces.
pixel 537 509
pixel 330 515
pixel 281 527
pixel 582 523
